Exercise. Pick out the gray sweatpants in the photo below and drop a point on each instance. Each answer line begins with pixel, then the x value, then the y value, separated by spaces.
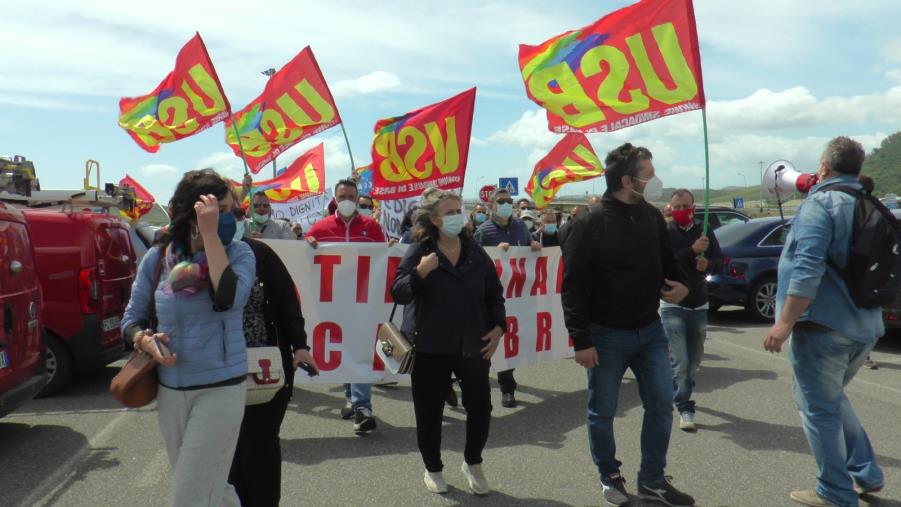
pixel 201 430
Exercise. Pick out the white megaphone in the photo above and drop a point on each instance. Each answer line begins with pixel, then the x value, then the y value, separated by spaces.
pixel 782 178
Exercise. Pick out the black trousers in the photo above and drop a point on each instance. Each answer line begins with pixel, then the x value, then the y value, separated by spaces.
pixel 430 378
pixel 506 381
pixel 256 471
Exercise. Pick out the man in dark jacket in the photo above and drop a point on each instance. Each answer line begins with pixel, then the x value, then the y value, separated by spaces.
pixel 548 228
pixel 686 323
pixel 618 264
pixel 503 231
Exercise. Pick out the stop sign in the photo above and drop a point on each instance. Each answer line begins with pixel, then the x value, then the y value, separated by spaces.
pixel 485 193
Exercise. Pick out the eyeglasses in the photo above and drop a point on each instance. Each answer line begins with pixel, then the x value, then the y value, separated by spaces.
pixel 504 201
pixel 367 206
pixel 260 205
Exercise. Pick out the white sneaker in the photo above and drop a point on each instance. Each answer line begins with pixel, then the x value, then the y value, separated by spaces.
pixel 478 484
pixel 434 482
pixel 687 422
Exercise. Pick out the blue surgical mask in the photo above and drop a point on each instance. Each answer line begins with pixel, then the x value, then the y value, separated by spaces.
pixel 480 217
pixel 452 224
pixel 227 227
pixel 550 229
pixel 504 210
pixel 365 212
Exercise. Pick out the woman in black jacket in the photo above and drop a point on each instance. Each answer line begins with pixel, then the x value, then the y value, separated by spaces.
pixel 272 318
pixel 454 314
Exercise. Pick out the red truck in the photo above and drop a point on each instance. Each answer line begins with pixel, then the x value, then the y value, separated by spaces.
pixel 22 373
pixel 86 265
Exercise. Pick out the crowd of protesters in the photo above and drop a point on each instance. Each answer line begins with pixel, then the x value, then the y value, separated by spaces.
pixel 633 295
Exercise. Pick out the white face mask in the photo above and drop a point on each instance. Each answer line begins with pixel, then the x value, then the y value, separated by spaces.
pixel 347 208
pixel 653 189
pixel 452 224
pixel 260 219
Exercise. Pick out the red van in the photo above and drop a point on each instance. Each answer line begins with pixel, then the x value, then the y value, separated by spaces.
pixel 86 265
pixel 22 373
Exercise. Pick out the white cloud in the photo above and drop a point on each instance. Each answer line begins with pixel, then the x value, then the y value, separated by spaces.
pixel 158 170
pixel 369 83
pixel 892 51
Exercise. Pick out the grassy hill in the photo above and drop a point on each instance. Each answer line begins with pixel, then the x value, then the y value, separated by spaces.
pixel 884 165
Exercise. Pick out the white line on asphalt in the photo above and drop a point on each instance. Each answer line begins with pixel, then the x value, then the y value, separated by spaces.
pixel 59 478
pixel 20 415
pixel 857 380
pixel 155 471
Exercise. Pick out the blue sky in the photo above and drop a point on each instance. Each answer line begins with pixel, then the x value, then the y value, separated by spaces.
pixel 781 78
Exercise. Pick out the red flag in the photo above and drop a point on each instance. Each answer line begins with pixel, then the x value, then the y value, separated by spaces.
pixel 423 148
pixel 295 105
pixel 572 159
pixel 304 176
pixel 634 65
pixel 144 199
pixel 188 101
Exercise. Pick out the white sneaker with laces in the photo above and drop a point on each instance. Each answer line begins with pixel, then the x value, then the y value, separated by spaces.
pixel 478 484
pixel 687 422
pixel 434 482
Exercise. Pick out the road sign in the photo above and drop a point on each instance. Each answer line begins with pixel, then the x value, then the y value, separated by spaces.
pixel 738 202
pixel 511 185
pixel 485 192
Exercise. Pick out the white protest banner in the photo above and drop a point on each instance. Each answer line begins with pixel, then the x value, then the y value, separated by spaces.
pixel 392 215
pixel 305 212
pixel 345 291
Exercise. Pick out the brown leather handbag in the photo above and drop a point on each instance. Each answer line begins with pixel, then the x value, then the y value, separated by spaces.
pixel 395 350
pixel 137 383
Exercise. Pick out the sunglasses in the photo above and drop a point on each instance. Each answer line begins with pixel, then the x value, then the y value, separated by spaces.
pixel 505 201
pixel 260 205
pixel 366 206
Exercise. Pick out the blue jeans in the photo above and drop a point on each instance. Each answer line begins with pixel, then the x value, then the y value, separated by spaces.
pixel 824 362
pixel 686 330
pixel 646 352
pixel 360 395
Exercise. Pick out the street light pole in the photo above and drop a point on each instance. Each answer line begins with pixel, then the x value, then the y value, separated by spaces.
pixel 745 180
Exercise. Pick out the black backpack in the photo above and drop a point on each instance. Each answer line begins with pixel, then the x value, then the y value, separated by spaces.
pixel 873 273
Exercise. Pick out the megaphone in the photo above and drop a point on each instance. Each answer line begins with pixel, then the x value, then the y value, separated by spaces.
pixel 781 178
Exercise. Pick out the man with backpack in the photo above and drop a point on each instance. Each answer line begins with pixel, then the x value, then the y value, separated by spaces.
pixel 825 302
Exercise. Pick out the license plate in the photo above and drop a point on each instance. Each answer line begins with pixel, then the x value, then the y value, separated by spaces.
pixel 4 359
pixel 110 323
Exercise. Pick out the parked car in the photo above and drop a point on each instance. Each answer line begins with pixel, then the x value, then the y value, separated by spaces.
pixel 22 373
pixel 747 276
pixel 891 313
pixel 86 265
pixel 721 215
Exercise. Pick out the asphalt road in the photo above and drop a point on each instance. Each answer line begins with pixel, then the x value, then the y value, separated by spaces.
pixel 81 449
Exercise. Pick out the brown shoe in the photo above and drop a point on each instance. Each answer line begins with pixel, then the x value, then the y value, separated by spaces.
pixel 809 497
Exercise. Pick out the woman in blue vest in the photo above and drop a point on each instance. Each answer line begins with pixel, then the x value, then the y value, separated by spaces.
pixel 198 280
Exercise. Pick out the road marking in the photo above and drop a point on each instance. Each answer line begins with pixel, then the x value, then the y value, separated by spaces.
pixel 61 476
pixel 857 380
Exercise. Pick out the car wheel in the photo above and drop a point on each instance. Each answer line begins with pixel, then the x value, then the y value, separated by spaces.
pixel 762 300
pixel 60 366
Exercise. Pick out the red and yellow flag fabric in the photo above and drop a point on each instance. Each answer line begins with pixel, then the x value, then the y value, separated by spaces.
pixel 144 200
pixel 295 105
pixel 572 159
pixel 188 101
pixel 304 176
pixel 634 65
pixel 423 148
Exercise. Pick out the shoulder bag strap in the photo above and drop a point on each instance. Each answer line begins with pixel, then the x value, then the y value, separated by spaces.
pixel 156 281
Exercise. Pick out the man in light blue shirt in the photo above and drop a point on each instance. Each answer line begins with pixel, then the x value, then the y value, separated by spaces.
pixel 830 335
